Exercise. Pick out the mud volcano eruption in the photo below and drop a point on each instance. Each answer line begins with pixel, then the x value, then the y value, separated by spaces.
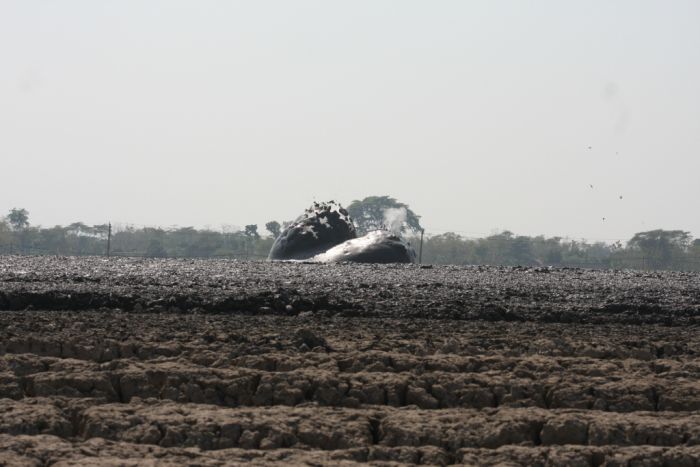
pixel 325 233
pixel 379 246
pixel 322 226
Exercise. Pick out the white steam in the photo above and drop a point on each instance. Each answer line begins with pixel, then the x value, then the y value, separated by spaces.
pixel 394 219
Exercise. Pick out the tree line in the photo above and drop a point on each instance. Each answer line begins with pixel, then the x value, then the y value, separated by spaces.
pixel 654 249
pixel 17 236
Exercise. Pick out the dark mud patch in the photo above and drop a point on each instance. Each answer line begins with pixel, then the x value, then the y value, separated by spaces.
pixel 353 290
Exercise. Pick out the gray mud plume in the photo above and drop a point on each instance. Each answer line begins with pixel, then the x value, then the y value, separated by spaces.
pixel 322 226
pixel 325 233
pixel 379 246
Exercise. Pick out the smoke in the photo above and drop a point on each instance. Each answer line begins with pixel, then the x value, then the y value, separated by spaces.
pixel 394 219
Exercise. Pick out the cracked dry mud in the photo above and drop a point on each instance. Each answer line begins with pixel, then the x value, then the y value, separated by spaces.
pixel 182 362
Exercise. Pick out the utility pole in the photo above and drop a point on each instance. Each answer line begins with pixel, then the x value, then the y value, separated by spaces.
pixel 420 251
pixel 109 237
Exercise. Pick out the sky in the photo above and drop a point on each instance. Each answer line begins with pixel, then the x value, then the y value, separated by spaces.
pixel 560 118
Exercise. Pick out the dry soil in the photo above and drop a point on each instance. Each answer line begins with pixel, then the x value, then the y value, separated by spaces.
pixel 171 362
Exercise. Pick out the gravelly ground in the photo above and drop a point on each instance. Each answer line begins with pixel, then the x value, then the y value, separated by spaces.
pixel 125 362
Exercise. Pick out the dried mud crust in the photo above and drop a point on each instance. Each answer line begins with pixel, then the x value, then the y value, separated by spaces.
pixel 309 376
pixel 121 388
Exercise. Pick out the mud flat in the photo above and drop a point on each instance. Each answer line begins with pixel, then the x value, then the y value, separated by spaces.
pixel 172 362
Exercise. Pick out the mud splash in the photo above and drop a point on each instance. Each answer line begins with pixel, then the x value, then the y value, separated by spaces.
pixel 379 246
pixel 325 233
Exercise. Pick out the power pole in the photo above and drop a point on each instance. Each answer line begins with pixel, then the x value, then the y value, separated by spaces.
pixel 109 237
pixel 420 251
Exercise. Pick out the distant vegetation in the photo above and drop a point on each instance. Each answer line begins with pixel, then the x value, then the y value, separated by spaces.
pixel 370 214
pixel 81 239
pixel 655 249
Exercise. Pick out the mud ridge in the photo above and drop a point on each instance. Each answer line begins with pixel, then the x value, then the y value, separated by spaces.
pixel 174 362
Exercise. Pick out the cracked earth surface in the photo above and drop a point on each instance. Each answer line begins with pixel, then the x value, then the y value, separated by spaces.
pixel 172 362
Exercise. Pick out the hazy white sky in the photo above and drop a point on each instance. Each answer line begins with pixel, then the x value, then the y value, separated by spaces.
pixel 480 115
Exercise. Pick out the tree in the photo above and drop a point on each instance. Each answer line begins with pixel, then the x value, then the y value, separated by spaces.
pixel 155 249
pixel 274 228
pixel 5 236
pixel 377 212
pixel 77 228
pixel 660 246
pixel 498 247
pixel 53 240
pixel 18 218
pixel 206 244
pixel 101 230
pixel 694 250
pixel 521 251
pixel 447 248
pixel 251 231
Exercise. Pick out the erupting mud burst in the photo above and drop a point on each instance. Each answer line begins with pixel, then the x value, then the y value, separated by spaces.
pixel 325 233
pixel 379 246
pixel 321 227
